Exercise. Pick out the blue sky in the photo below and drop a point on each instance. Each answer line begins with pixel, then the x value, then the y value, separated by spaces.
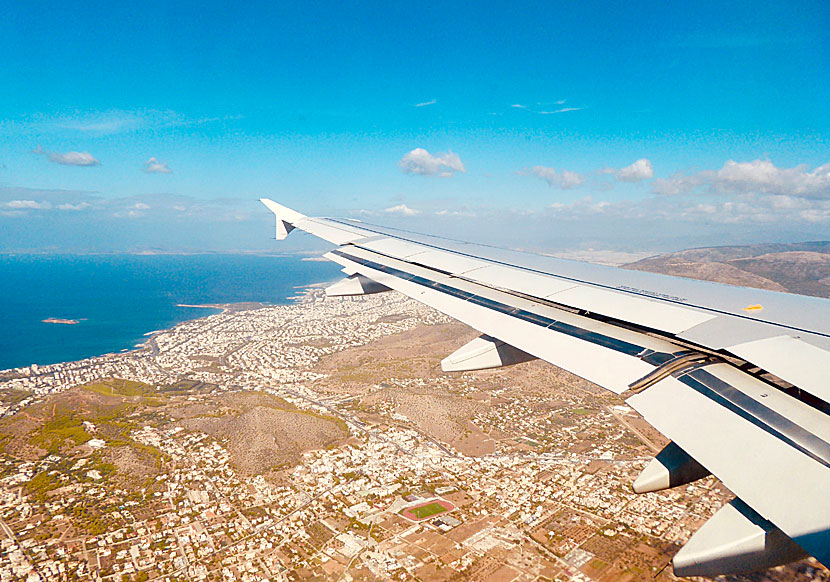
pixel 535 125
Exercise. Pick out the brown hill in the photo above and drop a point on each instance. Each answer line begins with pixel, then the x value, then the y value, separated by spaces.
pixel 797 268
pixel 261 431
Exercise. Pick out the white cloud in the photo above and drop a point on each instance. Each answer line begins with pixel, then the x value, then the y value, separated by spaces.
pixel 107 122
pixel 816 215
pixel 787 202
pixel 562 110
pixel 27 205
pixel 169 209
pixel 155 166
pixel 758 176
pixel 102 123
pixel 68 158
pixel 636 172
pixel 676 184
pixel 420 161
pixel 774 211
pixel 72 124
pixel 706 208
pixel 402 209
pixel 427 103
pixel 566 180
pixel 118 121
pixel 559 109
pixel 464 212
pixel 763 176
pixel 583 206
pixel 79 206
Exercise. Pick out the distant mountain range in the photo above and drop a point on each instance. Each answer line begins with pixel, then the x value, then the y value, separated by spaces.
pixel 795 267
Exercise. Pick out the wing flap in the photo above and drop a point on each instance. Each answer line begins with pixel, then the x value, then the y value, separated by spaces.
pixel 791 359
pixel 332 232
pixel 393 247
pixel 745 435
pixel 637 310
pixel 519 280
pixel 452 263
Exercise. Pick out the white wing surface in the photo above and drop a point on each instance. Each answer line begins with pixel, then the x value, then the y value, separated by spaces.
pixel 737 378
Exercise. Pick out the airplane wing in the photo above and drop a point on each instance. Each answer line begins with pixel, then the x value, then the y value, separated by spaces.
pixel 737 378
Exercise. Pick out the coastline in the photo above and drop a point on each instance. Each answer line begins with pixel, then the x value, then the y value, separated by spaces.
pixel 220 308
pixel 121 301
pixel 223 307
pixel 235 306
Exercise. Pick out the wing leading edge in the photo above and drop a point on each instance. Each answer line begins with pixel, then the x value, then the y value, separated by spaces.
pixel 691 361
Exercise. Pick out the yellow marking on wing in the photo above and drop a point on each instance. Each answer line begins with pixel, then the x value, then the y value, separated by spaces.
pixel 756 307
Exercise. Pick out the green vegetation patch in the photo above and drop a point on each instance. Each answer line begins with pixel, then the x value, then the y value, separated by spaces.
pixel 186 387
pixel 56 431
pixel 41 484
pixel 112 406
pixel 13 396
pixel 582 411
pixel 119 387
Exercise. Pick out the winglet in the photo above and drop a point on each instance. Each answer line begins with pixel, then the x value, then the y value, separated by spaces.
pixel 285 217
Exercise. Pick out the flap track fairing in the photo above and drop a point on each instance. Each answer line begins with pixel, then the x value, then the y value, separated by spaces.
pixel 482 353
pixel 355 285
pixel 735 540
pixel 671 467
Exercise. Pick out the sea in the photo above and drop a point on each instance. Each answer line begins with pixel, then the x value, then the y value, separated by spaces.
pixel 118 299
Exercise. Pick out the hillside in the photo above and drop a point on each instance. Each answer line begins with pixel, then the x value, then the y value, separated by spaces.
pixel 797 268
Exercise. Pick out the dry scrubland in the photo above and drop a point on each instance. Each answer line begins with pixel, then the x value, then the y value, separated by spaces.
pixel 401 375
pixel 798 268
pixel 261 431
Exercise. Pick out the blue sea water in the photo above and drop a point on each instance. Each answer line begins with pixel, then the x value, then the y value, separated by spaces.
pixel 119 298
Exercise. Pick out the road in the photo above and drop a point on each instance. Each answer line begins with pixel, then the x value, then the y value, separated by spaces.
pixel 639 434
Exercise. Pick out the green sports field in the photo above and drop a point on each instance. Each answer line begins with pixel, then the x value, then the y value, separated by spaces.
pixel 425 511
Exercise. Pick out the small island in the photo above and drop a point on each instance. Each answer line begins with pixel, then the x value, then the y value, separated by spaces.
pixel 61 321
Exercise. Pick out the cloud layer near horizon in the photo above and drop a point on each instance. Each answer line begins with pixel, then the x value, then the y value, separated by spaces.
pixel 564 179
pixel 757 176
pixel 37 220
pixel 756 200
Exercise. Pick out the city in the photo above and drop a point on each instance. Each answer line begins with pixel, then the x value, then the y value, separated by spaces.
pixel 320 441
